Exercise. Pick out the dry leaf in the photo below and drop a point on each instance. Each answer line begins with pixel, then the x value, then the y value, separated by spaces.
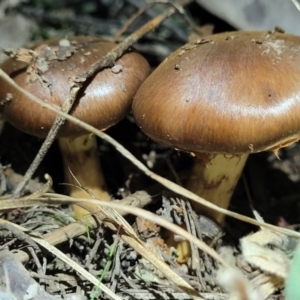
pixel 261 250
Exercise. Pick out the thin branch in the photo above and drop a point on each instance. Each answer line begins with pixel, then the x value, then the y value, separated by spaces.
pixel 106 61
pixel 163 181
pixel 181 11
pixel 130 21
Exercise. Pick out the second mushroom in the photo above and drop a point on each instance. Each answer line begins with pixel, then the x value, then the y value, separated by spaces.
pixel 221 98
pixel 103 101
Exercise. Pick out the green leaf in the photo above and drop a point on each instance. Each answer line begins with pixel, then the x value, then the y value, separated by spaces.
pixel 292 284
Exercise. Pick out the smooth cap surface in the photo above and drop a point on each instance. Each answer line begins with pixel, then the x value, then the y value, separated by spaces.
pixel 103 101
pixel 234 93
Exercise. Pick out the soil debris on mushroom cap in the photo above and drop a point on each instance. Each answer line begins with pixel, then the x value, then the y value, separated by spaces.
pixel 222 98
pixel 47 71
pixel 231 95
pixel 103 100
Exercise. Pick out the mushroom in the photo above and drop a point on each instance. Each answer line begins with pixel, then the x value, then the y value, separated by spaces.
pixel 221 98
pixel 103 101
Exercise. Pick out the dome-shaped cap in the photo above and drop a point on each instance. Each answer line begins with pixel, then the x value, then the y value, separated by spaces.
pixel 236 92
pixel 103 101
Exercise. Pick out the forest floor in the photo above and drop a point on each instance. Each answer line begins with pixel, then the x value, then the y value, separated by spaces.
pixel 268 185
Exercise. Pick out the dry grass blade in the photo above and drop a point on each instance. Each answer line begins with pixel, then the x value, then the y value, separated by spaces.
pixel 128 209
pixel 60 235
pixel 122 222
pixel 45 241
pixel 44 189
pixel 134 241
pixel 137 244
pixel 165 182
pixel 130 21
pixel 130 236
pixel 76 84
pixel 68 261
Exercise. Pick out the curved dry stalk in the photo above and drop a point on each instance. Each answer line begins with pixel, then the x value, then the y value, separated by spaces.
pixel 43 190
pixel 39 193
pixel 72 230
pixel 140 213
pixel 129 236
pixel 116 219
pixel 130 21
pixel 165 182
pixel 76 84
pixel 68 261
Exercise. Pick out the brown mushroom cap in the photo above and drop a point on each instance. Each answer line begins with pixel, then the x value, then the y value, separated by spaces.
pixel 236 92
pixel 103 101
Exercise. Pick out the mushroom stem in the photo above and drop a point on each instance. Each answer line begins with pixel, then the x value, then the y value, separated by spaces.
pixel 82 168
pixel 215 181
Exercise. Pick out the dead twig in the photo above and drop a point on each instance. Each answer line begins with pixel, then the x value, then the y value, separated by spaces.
pixel 115 222
pixel 132 240
pixel 70 231
pixel 75 86
pixel 139 246
pixel 20 235
pixel 75 266
pixel 163 181
pixel 130 21
pixel 181 11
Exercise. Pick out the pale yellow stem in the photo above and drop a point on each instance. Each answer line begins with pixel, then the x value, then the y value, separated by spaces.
pixel 215 181
pixel 82 168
